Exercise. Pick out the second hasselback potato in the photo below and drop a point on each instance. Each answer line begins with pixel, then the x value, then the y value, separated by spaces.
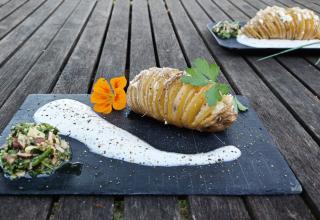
pixel 160 94
pixel 283 23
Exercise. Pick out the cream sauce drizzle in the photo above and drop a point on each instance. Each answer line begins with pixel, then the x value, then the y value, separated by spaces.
pixel 78 121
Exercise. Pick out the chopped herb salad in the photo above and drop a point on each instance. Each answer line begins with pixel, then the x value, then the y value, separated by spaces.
pixel 226 29
pixel 33 149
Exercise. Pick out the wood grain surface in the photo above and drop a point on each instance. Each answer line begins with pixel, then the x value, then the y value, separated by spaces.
pixel 63 46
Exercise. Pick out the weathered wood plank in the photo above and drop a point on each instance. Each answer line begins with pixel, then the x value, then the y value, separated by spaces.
pixel 80 67
pixel 141 46
pixel 24 208
pixel 18 16
pixel 234 62
pixel 3 2
pixel 159 207
pixel 205 207
pixel 38 207
pixel 141 57
pixel 245 80
pixel 300 68
pixel 244 7
pixel 273 208
pixel 194 47
pixel 82 62
pixel 227 7
pixel 256 3
pixel 293 93
pixel 83 208
pixel 114 54
pixel 272 2
pixel 216 9
pixel 305 72
pixel 312 59
pixel 302 3
pixel 315 6
pixel 296 65
pixel 10 7
pixel 168 48
pixel 95 208
pixel 299 100
pixel 11 42
pixel 47 67
pixel 290 3
pixel 315 2
pixel 296 3
pixel 16 68
pixel 192 42
pixel 188 35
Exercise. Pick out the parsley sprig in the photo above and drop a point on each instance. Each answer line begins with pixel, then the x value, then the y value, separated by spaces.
pixel 202 73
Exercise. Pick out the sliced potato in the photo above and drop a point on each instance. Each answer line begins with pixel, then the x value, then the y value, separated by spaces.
pixel 283 23
pixel 169 100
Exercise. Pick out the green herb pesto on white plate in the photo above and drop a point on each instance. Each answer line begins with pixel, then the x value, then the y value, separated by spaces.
pixel 227 29
pixel 32 150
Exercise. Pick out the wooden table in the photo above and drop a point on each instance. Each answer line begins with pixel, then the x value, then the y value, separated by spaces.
pixel 63 46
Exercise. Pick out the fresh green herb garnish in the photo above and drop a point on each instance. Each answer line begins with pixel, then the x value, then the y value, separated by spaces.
pixel 290 50
pixel 215 93
pixel 201 74
pixel 238 105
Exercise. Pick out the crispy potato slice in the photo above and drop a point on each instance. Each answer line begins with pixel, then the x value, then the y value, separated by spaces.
pixel 160 93
pixel 283 23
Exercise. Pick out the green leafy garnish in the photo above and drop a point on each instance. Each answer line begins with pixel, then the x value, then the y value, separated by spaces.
pixel 202 73
pixel 215 93
pixel 194 78
pixel 238 105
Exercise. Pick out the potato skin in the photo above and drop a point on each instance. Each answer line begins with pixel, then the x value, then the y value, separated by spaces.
pixel 160 94
pixel 283 23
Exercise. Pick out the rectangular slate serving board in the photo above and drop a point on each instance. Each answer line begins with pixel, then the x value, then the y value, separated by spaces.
pixel 261 169
pixel 233 44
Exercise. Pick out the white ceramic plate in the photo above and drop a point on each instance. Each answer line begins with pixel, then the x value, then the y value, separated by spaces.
pixel 276 44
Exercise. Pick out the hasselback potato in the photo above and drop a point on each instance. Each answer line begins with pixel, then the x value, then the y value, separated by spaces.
pixel 283 23
pixel 160 94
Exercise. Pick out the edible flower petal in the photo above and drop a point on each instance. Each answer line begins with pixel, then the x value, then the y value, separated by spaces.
pixel 104 108
pixel 120 100
pixel 99 98
pixel 104 98
pixel 118 82
pixel 102 85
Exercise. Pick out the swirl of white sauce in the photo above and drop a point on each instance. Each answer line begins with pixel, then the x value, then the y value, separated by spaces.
pixel 78 121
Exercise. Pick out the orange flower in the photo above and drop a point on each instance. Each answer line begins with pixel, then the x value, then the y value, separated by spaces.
pixel 104 98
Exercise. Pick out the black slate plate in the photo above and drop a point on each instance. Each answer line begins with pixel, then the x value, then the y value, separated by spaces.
pixel 233 44
pixel 260 170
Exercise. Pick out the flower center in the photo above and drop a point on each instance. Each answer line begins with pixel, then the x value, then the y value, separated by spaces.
pixel 110 97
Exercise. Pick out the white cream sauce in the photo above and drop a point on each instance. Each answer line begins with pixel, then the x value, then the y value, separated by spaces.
pixel 275 43
pixel 78 121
